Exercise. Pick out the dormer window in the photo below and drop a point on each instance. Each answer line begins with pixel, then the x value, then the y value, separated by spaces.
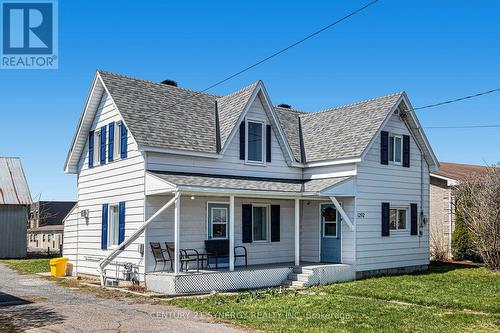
pixel 395 148
pixel 255 141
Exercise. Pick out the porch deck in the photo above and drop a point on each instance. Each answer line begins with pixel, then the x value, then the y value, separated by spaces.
pixel 252 277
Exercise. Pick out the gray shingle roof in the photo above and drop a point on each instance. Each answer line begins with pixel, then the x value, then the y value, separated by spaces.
pixel 230 108
pixel 344 131
pixel 248 183
pixel 289 120
pixel 163 116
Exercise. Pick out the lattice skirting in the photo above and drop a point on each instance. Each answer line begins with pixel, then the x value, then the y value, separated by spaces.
pixel 217 281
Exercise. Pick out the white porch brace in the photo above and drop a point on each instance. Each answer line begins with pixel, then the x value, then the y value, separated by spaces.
pixel 231 233
pixel 342 213
pixel 107 260
pixel 177 238
pixel 297 231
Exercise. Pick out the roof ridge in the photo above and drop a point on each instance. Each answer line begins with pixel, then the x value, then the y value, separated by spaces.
pixel 465 164
pixel 289 109
pixel 159 83
pixel 239 90
pixel 354 103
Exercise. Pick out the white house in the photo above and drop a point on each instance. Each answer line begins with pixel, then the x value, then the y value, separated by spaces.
pixel 313 197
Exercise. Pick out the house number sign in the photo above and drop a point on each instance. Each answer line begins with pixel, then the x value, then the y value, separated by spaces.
pixel 361 215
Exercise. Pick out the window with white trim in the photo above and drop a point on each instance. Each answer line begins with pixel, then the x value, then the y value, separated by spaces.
pixel 255 141
pixel 395 148
pixel 398 218
pixel 260 223
pixel 329 220
pixel 113 224
pixel 97 147
pixel 117 141
pixel 218 223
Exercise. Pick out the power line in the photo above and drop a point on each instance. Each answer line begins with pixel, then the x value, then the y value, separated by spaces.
pixel 457 99
pixel 275 54
pixel 461 127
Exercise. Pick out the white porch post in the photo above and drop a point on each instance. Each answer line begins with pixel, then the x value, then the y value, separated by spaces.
pixel 177 224
pixel 231 233
pixel 297 231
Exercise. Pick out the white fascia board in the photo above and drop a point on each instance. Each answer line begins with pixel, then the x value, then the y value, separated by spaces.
pixel 384 123
pixel 179 152
pixel 67 167
pixel 334 174
pixel 449 181
pixel 260 88
pixel 338 161
pixel 277 123
pixel 240 119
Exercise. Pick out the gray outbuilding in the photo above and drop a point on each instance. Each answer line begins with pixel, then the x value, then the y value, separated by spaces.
pixel 15 199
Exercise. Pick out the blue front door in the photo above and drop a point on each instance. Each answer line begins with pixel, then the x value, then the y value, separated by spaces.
pixel 330 234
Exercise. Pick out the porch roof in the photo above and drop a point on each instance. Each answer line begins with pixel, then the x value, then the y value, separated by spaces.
pixel 241 183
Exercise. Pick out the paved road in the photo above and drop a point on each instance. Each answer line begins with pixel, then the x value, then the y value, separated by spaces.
pixel 33 304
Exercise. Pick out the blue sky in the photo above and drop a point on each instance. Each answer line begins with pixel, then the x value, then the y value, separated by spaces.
pixel 434 50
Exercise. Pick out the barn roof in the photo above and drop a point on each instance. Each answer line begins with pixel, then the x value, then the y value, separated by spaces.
pixel 14 189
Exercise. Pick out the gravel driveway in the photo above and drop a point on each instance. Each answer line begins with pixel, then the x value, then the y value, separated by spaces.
pixel 31 303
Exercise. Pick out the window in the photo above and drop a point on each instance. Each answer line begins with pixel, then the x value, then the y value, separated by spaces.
pixel 48 237
pixel 97 147
pixel 395 148
pixel 219 222
pixel 255 142
pixel 43 237
pixel 113 225
pixel 397 218
pixel 259 223
pixel 329 220
pixel 116 141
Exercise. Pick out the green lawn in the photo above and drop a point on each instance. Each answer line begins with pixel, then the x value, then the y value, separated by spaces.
pixel 456 298
pixel 28 266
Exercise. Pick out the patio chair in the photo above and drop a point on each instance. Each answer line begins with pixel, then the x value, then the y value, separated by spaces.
pixel 186 256
pixel 158 255
pixel 219 248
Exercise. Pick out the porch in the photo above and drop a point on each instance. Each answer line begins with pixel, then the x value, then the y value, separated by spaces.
pixel 287 227
pixel 251 277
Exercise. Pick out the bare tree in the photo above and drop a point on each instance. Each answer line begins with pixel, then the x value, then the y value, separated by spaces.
pixel 479 203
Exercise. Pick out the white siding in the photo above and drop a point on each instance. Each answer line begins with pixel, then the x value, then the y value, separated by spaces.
pixel 230 163
pixel 377 183
pixel 339 170
pixel 70 243
pixel 193 230
pixel 120 180
pixel 310 231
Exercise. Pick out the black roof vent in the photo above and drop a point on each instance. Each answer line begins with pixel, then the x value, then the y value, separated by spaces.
pixel 169 83
pixel 285 106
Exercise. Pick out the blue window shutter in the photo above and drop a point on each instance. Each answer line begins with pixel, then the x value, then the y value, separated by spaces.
pixel 246 223
pixel 406 151
pixel 275 223
pixel 242 140
pixel 385 219
pixel 103 145
pixel 91 149
pixel 414 219
pixel 104 228
pixel 268 143
pixel 111 142
pixel 121 227
pixel 384 147
pixel 123 141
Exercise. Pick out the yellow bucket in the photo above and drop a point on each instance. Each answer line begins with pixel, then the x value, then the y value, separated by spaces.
pixel 58 267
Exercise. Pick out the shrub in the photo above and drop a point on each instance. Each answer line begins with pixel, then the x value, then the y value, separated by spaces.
pixel 462 246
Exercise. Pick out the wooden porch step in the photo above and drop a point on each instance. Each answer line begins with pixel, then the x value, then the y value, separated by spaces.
pixel 299 277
